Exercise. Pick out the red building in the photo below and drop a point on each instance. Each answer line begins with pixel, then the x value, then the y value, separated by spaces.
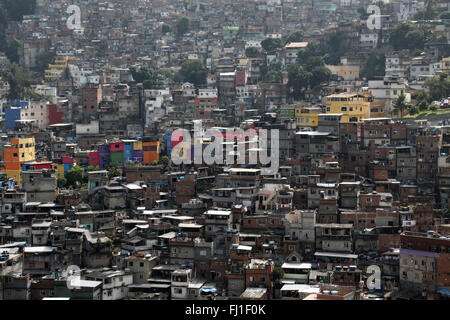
pixel 116 146
pixel 94 158
pixel 57 114
pixel 91 96
pixel 240 78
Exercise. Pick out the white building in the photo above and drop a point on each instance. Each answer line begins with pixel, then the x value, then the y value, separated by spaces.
pixel 368 40
pixel 300 225
pixel 180 280
pixel 418 68
pixel 115 283
pixel 388 90
pixel 154 110
pixel 88 128
pixel 36 111
pixel 83 75
pixel 397 65
pixel 406 9
pixel 292 51
pixel 48 91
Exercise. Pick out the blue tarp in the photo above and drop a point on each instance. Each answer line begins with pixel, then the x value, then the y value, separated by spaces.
pixel 444 292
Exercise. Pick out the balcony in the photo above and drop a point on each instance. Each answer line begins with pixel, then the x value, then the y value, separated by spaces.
pixel 221 222
pixel 39 232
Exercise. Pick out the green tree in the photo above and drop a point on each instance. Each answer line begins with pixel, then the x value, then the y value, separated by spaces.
pixel 415 39
pixel 438 86
pixel 149 84
pixel 61 182
pixel 423 106
pixel 313 62
pixel 74 176
pixel 43 59
pixel 335 47
pixel 183 25
pixel 166 28
pixel 430 12
pixel 18 8
pixel 298 81
pixel 374 67
pixel 362 11
pixel 114 171
pixel 422 96
pixel 151 78
pixel 251 52
pixel 277 273
pixel 406 35
pixel 3 25
pixel 319 75
pixel 413 110
pixel 400 105
pixel 141 74
pixel 13 50
pixel 19 81
pixel 296 36
pixel 271 44
pixel 444 15
pixel 314 48
pixel 194 72
pixel 274 76
pixel 164 162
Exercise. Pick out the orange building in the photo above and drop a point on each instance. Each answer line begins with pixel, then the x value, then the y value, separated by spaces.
pixel 150 152
pixel 16 153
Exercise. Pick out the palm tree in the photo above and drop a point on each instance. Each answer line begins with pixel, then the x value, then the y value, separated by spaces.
pixel 400 104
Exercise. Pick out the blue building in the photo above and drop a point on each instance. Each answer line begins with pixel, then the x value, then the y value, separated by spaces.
pixel 11 115
pixel 168 140
pixel 19 104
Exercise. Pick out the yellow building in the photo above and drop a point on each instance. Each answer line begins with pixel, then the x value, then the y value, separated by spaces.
pixel 307 116
pixel 354 106
pixel 59 169
pixel 137 145
pixel 45 90
pixel 347 72
pixel 377 109
pixel 19 151
pixel 446 64
pixel 55 70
